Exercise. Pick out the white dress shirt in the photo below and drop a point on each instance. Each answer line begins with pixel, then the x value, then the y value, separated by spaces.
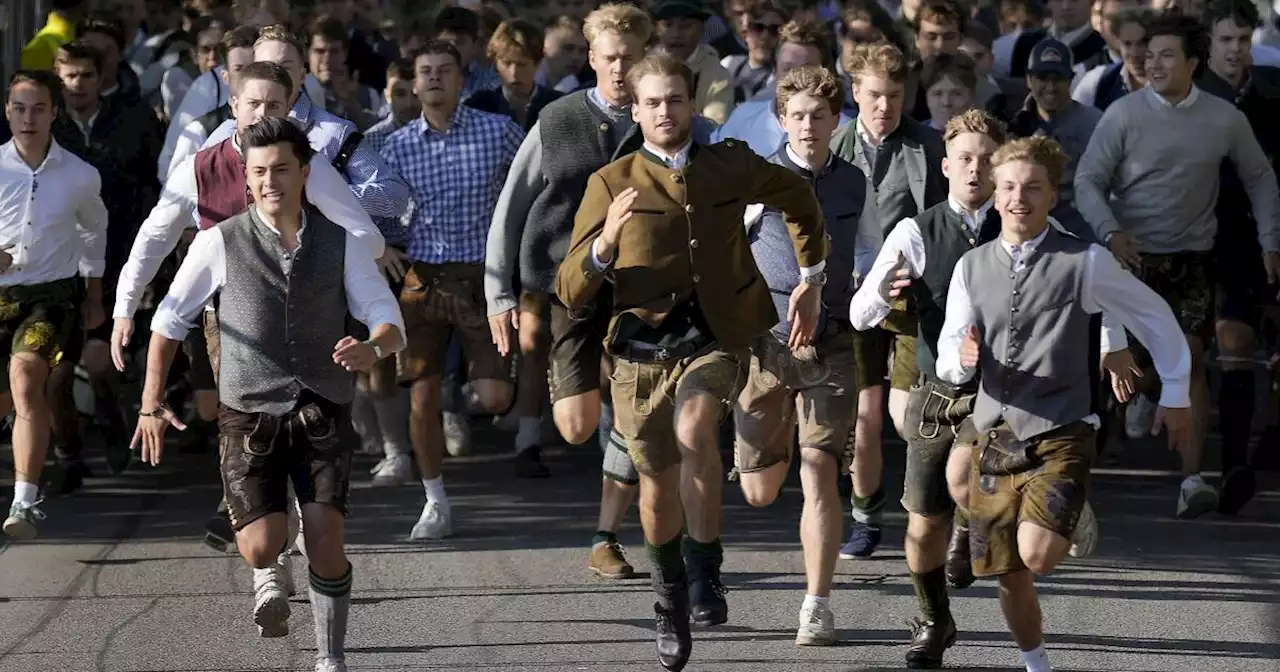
pixel 189 142
pixel 177 210
pixel 52 219
pixel 204 272
pixel 1106 287
pixel 207 93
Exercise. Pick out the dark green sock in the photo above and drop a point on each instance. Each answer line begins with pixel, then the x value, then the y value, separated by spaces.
pixel 603 537
pixel 868 509
pixel 698 552
pixel 668 566
pixel 931 592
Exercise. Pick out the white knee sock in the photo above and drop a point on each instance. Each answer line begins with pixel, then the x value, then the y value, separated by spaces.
pixel 24 492
pixel 435 491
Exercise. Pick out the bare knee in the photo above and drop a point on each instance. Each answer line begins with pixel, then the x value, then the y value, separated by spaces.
pixel 577 418
pixel 756 489
pixel 258 546
pixel 694 432
pixel 1039 560
pixel 28 374
pixel 531 335
pixel 96 358
pixel 898 410
pixel 426 396
pixel 1235 339
pixel 495 396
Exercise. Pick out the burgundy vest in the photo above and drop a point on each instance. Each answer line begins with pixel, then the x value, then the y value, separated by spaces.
pixel 221 192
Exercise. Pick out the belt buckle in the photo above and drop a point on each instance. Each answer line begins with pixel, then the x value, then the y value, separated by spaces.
pixel 661 355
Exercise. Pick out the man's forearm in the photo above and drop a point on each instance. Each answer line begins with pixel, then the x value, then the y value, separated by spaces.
pixel 160 356
pixel 387 337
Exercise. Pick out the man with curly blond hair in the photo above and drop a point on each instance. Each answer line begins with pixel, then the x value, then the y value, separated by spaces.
pixel 1022 315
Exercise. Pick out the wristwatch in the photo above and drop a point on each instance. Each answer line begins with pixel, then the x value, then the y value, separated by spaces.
pixel 815 279
pixel 377 349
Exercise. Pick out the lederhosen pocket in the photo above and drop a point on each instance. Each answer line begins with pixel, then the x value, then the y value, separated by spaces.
pixel 320 428
pixel 259 442
pixel 1004 455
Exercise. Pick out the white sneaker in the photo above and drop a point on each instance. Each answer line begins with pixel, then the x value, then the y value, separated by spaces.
pixel 1086 535
pixel 436 522
pixel 379 466
pixel 271 602
pixel 21 523
pixel 396 470
pixel 330 665
pixel 457 434
pixel 817 626
pixel 1139 416
pixel 1196 498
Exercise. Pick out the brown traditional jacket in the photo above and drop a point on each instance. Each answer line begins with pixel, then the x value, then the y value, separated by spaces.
pixel 686 238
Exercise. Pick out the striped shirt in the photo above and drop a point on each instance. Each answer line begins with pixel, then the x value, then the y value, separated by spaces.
pixel 454 180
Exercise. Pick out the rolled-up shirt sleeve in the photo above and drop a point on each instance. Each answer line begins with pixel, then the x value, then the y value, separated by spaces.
pixel 334 199
pixel 202 274
pixel 157 237
pixel 960 316
pixel 1114 291
pixel 91 220
pixel 369 298
pixel 868 308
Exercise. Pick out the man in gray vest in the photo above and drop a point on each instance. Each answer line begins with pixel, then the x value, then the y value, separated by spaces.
pixel 902 160
pixel 286 373
pixel 1021 462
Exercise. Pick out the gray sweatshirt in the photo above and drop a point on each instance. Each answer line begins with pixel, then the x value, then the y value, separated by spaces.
pixel 1151 170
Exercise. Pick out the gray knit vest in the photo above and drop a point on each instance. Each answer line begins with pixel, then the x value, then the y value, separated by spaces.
pixel 1036 359
pixel 577 140
pixel 279 315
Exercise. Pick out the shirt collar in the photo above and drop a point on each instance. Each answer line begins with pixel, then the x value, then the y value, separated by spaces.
pixel 253 212
pixel 1190 100
pixel 804 165
pixel 973 219
pixel 1021 252
pixel 302 109
pixel 1071 37
pixel 9 153
pixel 607 107
pixel 675 161
pixel 457 121
pixel 866 136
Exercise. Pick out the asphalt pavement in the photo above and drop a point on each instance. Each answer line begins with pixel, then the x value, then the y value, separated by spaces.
pixel 119 581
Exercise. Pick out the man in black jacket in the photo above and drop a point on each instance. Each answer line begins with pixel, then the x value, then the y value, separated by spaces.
pixel 1242 292
pixel 515 49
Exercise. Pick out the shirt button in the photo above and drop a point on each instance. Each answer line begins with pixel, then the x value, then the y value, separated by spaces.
pixel 1004 408
pixel 694 243
pixel 697 278
pixel 604 127
pixel 1015 292
pixel 689 208
pixel 972 241
pixel 992 434
pixel 1015 309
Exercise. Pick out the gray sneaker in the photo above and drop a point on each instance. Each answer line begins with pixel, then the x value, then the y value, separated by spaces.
pixel 21 523
pixel 330 665
pixel 457 433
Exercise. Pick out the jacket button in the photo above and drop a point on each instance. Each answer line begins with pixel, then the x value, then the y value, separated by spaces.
pixel 972 241
pixel 1015 309
pixel 697 278
pixel 1004 408
pixel 689 208
pixel 694 243
pixel 604 128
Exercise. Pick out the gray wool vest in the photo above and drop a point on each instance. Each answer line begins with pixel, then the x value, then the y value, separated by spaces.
pixel 1038 344
pixel 577 140
pixel 280 314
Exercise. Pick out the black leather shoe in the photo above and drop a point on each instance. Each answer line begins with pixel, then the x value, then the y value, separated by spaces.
pixel 707 595
pixel 959 569
pixel 929 640
pixel 675 642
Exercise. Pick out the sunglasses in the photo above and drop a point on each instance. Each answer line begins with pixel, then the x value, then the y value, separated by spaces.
pixel 759 27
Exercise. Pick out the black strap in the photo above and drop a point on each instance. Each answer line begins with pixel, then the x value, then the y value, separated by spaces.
pixel 346 150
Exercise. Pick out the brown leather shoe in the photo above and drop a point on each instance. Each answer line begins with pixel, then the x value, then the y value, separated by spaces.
pixel 607 560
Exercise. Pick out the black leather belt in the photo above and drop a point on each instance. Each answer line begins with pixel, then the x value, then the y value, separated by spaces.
pixel 650 354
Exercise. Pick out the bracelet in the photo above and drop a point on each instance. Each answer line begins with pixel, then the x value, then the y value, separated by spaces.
pixel 160 410
pixel 377 349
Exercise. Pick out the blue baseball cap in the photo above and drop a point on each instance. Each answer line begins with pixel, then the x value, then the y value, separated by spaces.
pixel 1051 57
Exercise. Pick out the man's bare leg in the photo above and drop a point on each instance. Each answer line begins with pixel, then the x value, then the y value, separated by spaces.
pixel 425 433
pixel 28 376
pixel 698 416
pixel 1196 497
pixel 867 474
pixel 531 397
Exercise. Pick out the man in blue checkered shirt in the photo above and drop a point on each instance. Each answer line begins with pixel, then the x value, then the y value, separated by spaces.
pixel 455 160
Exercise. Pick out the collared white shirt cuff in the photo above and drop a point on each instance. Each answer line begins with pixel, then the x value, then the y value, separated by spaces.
pixel 595 257
pixel 1175 394
pixel 167 323
pixel 809 271
pixel 866 313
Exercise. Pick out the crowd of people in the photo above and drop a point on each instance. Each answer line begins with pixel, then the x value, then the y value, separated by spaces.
pixel 662 227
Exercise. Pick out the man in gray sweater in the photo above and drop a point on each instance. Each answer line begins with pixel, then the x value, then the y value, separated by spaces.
pixel 1148 185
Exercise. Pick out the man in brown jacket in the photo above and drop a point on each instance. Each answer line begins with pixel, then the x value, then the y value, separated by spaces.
pixel 687 301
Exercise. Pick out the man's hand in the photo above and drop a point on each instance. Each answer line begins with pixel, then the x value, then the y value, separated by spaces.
pixel 619 214
pixel 970 347
pixel 354 355
pixel 1123 370
pixel 93 314
pixel 896 281
pixel 1271 261
pixel 391 263
pixel 120 335
pixel 150 432
pixel 1179 425
pixel 6 259
pixel 503 327
pixel 1125 247
pixel 802 313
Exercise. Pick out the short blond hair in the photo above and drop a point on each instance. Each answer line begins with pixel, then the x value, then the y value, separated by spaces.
pixel 881 58
pixel 619 18
pixel 815 81
pixel 1039 150
pixel 975 121
pixel 515 37
pixel 662 65
pixel 280 33
pixel 808 34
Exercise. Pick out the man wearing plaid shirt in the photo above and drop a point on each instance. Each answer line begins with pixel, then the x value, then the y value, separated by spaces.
pixel 455 160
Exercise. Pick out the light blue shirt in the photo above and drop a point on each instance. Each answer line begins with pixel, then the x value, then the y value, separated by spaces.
pixel 755 123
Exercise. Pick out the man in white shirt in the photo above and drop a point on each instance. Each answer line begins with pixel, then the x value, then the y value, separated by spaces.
pixel 1021 312
pixel 287 365
pixel 49 238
